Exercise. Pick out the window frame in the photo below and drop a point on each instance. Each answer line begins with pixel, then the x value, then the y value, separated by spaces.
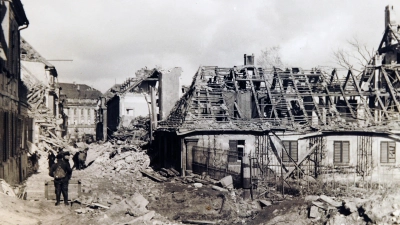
pixel 341 153
pixel 237 147
pixel 387 152
pixel 290 142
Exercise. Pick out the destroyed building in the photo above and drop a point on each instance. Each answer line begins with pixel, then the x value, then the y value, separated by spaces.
pixel 249 122
pixel 151 92
pixel 45 107
pixel 14 120
pixel 80 107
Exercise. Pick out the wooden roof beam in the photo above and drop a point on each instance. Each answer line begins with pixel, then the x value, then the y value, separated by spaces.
pixel 391 89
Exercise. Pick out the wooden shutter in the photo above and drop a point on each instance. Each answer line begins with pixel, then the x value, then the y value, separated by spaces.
pixel 285 157
pixel 384 152
pixel 345 152
pixel 337 152
pixel 392 152
pixel 388 152
pixel 233 148
pixel 294 150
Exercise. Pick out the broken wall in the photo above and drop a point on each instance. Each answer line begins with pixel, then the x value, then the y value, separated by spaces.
pixel 169 91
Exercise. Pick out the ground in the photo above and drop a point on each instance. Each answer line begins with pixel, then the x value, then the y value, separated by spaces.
pixel 115 191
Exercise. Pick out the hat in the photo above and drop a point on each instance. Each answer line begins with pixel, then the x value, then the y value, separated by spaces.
pixel 67 153
pixel 59 156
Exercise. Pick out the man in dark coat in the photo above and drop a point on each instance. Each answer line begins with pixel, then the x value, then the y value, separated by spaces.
pixel 61 184
pixel 51 157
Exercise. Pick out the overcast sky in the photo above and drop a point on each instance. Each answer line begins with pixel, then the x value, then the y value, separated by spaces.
pixel 109 40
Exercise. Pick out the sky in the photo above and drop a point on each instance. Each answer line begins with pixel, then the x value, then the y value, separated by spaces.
pixel 108 41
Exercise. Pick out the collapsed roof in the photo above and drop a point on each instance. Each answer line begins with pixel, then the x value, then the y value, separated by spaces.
pixel 251 98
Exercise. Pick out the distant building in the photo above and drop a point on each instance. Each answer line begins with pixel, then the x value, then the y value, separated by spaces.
pixel 80 105
pixel 14 129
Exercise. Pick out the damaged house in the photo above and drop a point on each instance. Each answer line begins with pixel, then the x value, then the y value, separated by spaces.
pixel 45 107
pixel 14 119
pixel 257 124
pixel 151 92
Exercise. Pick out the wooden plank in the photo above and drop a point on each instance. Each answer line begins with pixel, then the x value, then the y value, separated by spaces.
pixel 238 110
pixel 358 88
pixel 154 177
pixel 300 99
pixel 300 161
pixel 271 99
pixel 319 114
pixel 382 105
pixel 255 97
pixel 345 98
pixel 391 91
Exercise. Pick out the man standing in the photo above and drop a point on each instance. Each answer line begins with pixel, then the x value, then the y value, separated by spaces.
pixel 62 172
pixel 51 157
pixel 35 161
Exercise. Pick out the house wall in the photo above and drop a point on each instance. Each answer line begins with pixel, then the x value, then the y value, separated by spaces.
pixel 169 91
pixel 13 109
pixel 132 105
pixel 172 145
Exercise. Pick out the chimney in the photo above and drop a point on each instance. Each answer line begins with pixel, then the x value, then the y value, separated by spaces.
pixel 390 16
pixel 168 91
pixel 249 60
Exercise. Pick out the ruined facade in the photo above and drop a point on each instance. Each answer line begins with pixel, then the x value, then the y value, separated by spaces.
pixel 80 109
pixel 45 107
pixel 150 91
pixel 14 129
pixel 247 122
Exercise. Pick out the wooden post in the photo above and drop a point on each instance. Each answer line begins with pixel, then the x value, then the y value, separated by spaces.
pixel 153 108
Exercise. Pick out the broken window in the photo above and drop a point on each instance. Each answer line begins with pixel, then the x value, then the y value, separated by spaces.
pixel 236 148
pixel 341 152
pixel 388 152
pixel 292 150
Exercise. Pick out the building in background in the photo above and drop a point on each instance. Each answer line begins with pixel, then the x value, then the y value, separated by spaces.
pixel 80 108
pixel 14 129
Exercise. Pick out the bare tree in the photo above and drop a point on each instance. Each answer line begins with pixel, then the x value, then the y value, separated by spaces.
pixel 356 57
pixel 270 57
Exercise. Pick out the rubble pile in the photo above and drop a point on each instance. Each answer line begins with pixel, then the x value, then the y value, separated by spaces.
pixel 44 118
pixel 120 158
pixel 136 133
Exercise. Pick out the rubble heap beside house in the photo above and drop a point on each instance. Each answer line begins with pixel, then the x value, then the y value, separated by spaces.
pixel 45 108
pixel 259 125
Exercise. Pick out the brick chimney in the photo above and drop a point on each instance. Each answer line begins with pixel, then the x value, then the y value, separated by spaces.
pixel 249 60
pixel 390 16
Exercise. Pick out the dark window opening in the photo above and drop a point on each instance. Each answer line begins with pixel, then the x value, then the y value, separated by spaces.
pixel 236 150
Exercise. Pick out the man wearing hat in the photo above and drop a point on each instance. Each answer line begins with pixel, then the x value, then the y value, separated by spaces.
pixel 62 172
